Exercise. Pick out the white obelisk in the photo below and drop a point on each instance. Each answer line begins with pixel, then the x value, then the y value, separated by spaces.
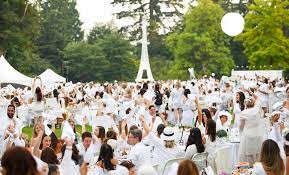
pixel 144 62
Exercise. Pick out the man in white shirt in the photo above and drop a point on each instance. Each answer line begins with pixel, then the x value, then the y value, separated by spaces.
pixel 86 148
pixel 140 154
pixel 6 121
pixel 153 119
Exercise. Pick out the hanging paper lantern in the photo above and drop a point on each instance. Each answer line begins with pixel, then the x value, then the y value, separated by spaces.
pixel 232 24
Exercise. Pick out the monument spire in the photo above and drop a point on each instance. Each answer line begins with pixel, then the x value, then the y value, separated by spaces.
pixel 144 68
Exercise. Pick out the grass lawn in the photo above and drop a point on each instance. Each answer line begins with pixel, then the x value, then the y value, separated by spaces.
pixel 29 130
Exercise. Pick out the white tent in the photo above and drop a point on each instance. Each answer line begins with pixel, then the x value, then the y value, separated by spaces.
pixel 11 75
pixel 48 76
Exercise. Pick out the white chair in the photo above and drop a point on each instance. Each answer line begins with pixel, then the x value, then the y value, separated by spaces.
pixel 223 160
pixel 200 159
pixel 169 163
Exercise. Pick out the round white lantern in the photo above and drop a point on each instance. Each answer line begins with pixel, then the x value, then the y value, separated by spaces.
pixel 232 24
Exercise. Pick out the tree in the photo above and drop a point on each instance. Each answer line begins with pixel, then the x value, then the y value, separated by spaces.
pixel 158 13
pixel 201 44
pixel 264 38
pixel 106 57
pixel 60 25
pixel 19 26
pixel 99 31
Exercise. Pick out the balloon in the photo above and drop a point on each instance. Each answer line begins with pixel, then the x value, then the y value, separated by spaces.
pixel 232 24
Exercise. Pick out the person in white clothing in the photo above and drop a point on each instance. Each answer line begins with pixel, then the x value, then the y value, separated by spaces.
pixel 270 160
pixel 252 131
pixel 165 147
pixel 139 154
pixel 194 143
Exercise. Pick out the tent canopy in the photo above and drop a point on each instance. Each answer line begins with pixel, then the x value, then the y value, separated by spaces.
pixel 49 76
pixel 11 75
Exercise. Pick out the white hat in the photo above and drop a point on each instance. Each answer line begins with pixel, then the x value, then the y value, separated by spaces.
pixel 146 170
pixel 168 134
pixel 225 113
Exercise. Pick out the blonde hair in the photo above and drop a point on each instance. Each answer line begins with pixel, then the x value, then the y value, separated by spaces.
pixel 250 102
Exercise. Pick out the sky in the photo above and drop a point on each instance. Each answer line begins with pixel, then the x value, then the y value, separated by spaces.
pixel 94 11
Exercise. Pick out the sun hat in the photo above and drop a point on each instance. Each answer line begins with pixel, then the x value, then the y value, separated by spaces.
pixel 168 134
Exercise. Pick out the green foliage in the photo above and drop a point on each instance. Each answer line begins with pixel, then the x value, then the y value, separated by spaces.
pixel 154 9
pixel 19 26
pixel 264 37
pixel 60 25
pixel 201 44
pixel 106 58
pixel 98 32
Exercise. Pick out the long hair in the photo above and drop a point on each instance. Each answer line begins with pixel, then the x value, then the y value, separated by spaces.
pixel 187 167
pixel 211 129
pixel 48 156
pixel 241 100
pixel 38 94
pixel 101 134
pixel 270 158
pixel 195 137
pixel 18 161
pixel 105 155
pixel 75 153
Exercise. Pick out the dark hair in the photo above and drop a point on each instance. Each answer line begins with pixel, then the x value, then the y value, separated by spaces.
pixel 195 137
pixel 157 87
pixel 127 164
pixel 132 127
pixel 160 129
pixel 151 106
pixel 19 161
pixel 211 129
pixel 11 105
pixel 270 157
pixel 105 155
pixel 111 135
pixel 241 100
pixel 286 147
pixel 38 94
pixel 52 169
pixel 101 132
pixel 54 140
pixel 75 153
pixel 142 91
pixel 86 134
pixel 186 92
pixel 187 167
pixel 55 93
pixel 137 133
pixel 43 136
pixel 48 156
pixel 145 86
pixel 207 113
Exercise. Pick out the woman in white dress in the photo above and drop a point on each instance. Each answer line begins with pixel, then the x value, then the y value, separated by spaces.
pixel 271 162
pixel 264 95
pixel 176 94
pixel 252 130
pixel 188 106
pixel 239 106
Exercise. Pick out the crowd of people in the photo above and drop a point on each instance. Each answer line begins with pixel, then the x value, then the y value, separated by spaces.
pixel 137 128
